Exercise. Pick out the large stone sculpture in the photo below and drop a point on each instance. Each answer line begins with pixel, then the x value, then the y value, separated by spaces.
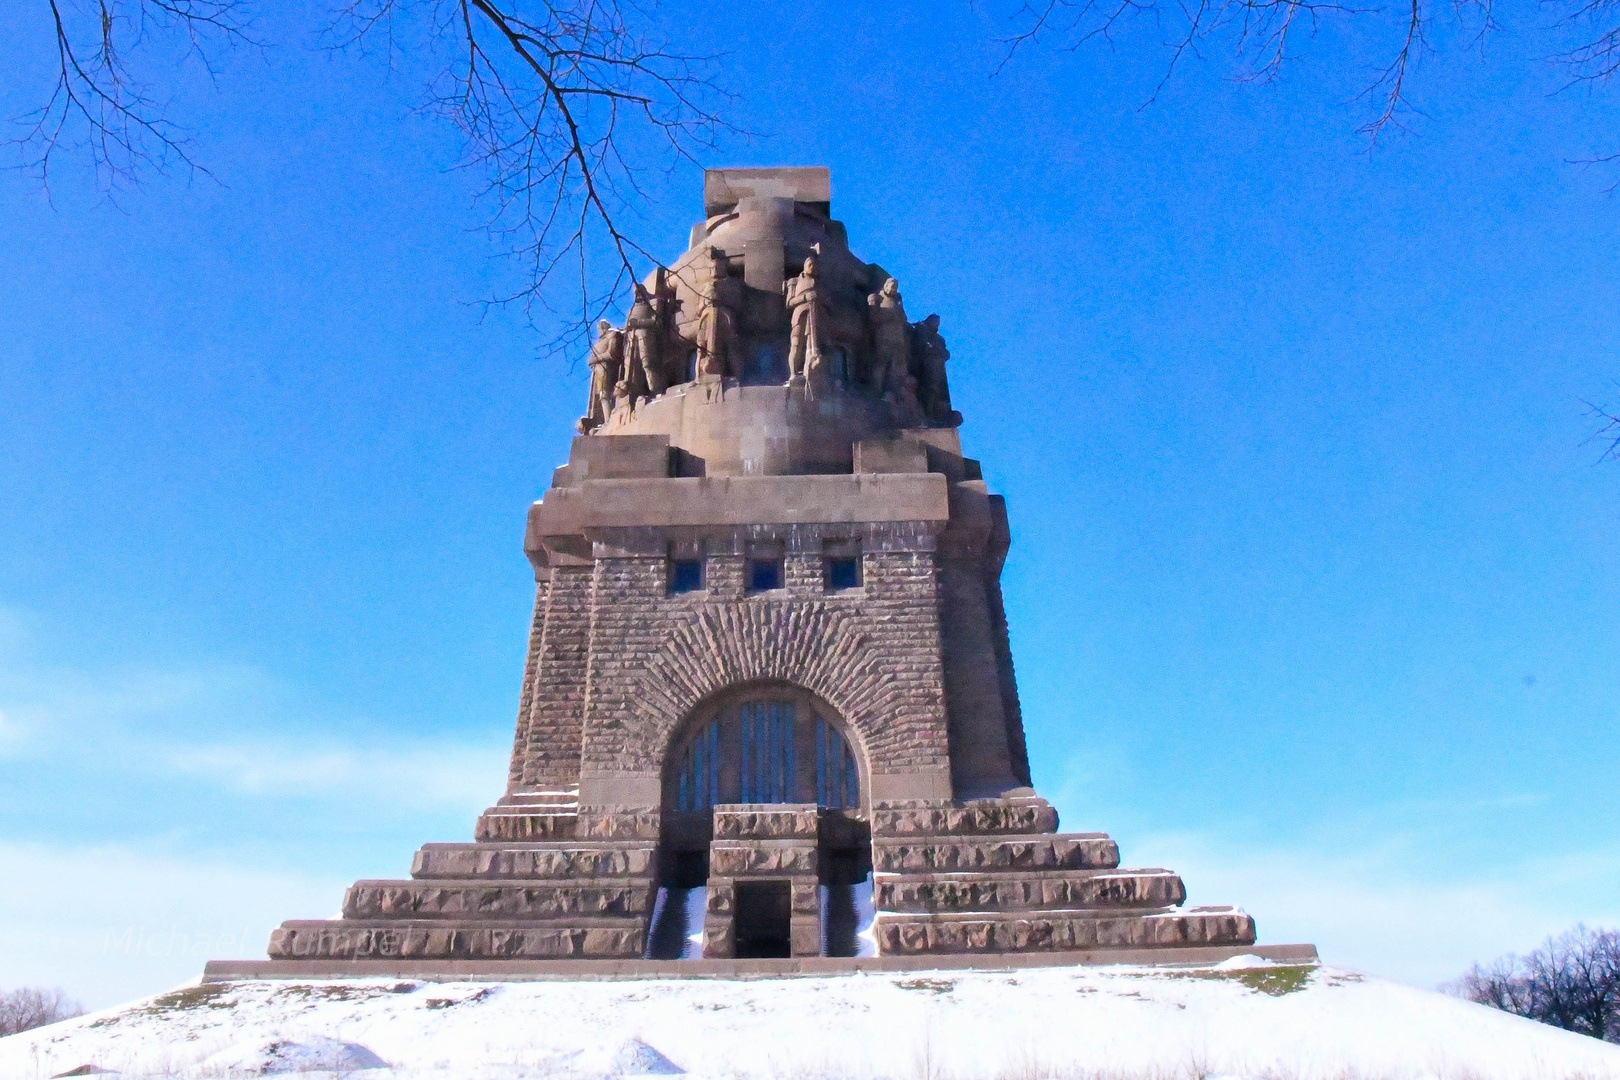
pixel 806 302
pixel 933 390
pixel 769 697
pixel 891 353
pixel 644 375
pixel 606 362
pixel 716 323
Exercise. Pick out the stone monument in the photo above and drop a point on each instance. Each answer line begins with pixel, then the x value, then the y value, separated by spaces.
pixel 769 711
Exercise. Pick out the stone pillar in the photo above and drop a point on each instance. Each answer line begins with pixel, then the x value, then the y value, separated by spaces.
pixel 752 842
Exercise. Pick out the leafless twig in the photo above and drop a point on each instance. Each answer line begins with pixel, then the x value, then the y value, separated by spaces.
pixel 562 104
pixel 1608 432
pixel 99 104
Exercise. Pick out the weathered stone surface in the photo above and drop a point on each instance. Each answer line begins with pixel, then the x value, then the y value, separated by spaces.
pixel 964 819
pixel 486 900
pixel 1029 892
pixel 775 858
pixel 785 821
pixel 1063 851
pixel 579 938
pixel 804 936
pixel 550 861
pixel 517 828
pixel 645 825
pixel 1058 931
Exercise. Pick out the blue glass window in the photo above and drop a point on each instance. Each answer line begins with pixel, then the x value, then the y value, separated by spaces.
pixel 843 573
pixel 685 575
pixel 764 574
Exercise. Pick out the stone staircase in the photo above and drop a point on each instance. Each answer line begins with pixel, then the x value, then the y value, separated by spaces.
pixel 535 886
pixel 996 876
pixel 543 882
pixel 530 815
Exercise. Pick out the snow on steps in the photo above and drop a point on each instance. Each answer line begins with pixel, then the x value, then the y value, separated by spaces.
pixel 1240 1020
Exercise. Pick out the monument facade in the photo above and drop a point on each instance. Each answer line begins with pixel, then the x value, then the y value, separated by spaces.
pixel 769 707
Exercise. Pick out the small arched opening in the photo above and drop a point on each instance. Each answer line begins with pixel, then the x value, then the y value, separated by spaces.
pixel 762 744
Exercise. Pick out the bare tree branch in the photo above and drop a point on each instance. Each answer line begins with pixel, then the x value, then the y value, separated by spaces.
pixel 1608 432
pixel 99 105
pixel 562 103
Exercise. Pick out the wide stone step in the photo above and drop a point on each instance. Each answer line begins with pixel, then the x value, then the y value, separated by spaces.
pixel 1052 889
pixel 580 938
pixel 452 899
pixel 568 859
pixel 515 825
pixel 1059 851
pixel 565 800
pixel 1058 931
pixel 986 818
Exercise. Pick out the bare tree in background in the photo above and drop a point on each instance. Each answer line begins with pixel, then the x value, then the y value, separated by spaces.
pixel 30 1007
pixel 562 103
pixel 1571 981
pixel 1261 35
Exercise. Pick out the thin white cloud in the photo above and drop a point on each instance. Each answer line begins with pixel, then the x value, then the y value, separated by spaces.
pixel 153 719
pixel 113 923
pixel 447 773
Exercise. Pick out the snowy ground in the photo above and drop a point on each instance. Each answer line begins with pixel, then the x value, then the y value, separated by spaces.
pixel 1242 1019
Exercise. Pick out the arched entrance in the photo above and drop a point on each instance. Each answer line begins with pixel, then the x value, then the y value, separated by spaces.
pixel 763 744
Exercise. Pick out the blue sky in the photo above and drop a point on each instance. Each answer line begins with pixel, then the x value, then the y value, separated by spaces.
pixel 1313 585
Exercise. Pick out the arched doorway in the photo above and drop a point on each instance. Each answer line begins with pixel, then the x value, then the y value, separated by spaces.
pixel 763 743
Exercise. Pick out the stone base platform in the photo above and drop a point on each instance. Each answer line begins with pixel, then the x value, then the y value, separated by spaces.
pixel 222 971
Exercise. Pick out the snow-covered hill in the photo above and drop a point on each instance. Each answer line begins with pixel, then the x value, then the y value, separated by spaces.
pixel 1244 1018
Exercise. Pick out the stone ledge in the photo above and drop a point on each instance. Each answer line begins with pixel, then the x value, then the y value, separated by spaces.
pixel 581 937
pixel 567 860
pixel 748 821
pixel 464 900
pixel 1052 889
pixel 220 971
pixel 517 826
pixel 1060 931
pixel 1059 851
pixel 919 818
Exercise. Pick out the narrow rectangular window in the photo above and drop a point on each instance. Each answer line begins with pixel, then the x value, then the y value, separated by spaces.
pixel 685 575
pixel 843 572
pixel 764 575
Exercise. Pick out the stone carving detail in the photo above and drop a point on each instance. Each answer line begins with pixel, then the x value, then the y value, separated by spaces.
pixel 891 353
pixel 716 321
pixel 384 941
pixel 644 375
pixel 486 861
pixel 607 368
pixel 929 354
pixel 1061 933
pixel 806 303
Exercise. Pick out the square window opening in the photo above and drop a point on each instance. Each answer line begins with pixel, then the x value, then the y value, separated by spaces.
pixel 685 575
pixel 843 572
pixel 764 575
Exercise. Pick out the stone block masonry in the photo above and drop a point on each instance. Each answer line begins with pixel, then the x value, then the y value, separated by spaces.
pixel 769 658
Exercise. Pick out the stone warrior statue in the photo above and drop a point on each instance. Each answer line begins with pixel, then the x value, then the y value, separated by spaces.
pixel 643 374
pixel 805 304
pixel 929 350
pixel 607 358
pixel 891 360
pixel 717 326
